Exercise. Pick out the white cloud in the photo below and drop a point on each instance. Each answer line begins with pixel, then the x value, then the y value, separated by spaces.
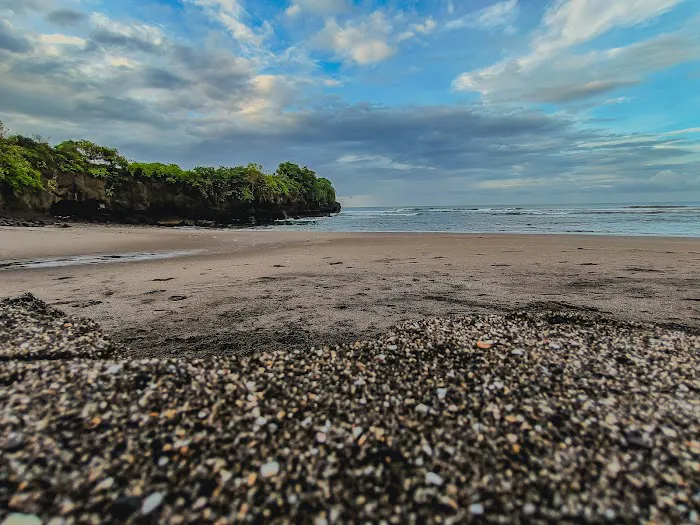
pixel 501 14
pixel 232 16
pixel 502 184
pixel 426 27
pixel 364 42
pixel 682 131
pixel 618 100
pixel 378 162
pixel 552 72
pixel 61 40
pixel 117 61
pixel 571 22
pixel 323 6
pixel 135 34
pixel 293 10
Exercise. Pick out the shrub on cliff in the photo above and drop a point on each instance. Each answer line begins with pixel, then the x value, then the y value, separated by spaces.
pixel 24 160
pixel 16 172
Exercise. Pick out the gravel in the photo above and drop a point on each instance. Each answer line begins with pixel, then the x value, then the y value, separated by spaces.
pixel 533 417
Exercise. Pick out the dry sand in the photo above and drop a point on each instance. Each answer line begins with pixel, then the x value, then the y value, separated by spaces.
pixel 242 290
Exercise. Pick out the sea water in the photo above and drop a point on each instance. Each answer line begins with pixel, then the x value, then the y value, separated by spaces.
pixel 601 219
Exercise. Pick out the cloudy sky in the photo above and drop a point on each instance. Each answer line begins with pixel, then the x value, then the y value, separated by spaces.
pixel 398 102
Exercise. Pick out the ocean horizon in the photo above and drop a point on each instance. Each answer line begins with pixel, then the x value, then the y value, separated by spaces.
pixel 642 219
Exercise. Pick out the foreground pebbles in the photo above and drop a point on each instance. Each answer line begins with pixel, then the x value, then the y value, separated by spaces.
pixel 537 418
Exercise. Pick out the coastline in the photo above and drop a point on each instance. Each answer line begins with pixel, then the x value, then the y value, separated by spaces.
pixel 243 290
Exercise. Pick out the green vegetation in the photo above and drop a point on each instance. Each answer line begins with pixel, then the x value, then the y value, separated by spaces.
pixel 31 163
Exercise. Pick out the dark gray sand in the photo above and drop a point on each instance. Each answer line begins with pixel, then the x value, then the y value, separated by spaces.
pixel 522 417
pixel 246 290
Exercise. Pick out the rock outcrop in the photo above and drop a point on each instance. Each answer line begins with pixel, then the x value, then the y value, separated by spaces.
pixel 134 201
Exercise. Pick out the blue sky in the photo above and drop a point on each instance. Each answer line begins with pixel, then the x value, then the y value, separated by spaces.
pixel 398 102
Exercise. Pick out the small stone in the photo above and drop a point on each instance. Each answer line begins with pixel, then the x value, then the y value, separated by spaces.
pixel 21 519
pixel 151 503
pixel 270 469
pixel 321 437
pixel 114 369
pixel 104 484
pixel 477 509
pixel 669 432
pixel 124 507
pixel 433 479
pixel 423 409
pixel 441 393
pixel 529 509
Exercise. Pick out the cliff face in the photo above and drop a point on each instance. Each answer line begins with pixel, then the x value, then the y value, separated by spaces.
pixel 147 201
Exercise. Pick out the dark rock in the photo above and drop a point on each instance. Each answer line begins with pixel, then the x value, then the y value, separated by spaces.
pixel 125 507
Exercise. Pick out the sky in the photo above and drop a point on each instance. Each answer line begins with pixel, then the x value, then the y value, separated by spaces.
pixel 416 102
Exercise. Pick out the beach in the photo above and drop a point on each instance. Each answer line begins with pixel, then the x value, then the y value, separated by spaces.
pixel 231 376
pixel 218 292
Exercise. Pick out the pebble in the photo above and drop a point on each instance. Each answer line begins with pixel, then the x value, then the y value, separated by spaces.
pixel 21 519
pixel 270 469
pixel 433 479
pixel 361 437
pixel 423 409
pixel 151 503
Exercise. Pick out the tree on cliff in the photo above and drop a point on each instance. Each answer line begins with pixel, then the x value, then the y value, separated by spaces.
pixel 317 191
pixel 16 170
pixel 31 163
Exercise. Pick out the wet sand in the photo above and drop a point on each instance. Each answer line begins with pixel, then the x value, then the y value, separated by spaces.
pixel 241 290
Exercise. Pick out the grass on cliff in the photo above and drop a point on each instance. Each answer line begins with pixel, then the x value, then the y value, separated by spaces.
pixel 31 163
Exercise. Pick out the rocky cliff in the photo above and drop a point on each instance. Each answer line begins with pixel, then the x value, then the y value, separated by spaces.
pixel 83 180
pixel 86 197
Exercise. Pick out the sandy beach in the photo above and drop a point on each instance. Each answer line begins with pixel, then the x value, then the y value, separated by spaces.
pixel 234 290
pixel 529 398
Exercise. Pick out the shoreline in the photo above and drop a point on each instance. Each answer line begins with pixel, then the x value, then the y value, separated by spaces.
pixel 251 290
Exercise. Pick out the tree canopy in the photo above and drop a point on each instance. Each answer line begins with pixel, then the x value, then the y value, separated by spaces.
pixel 27 162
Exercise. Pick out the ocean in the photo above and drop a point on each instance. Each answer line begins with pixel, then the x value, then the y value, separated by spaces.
pixel 597 219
